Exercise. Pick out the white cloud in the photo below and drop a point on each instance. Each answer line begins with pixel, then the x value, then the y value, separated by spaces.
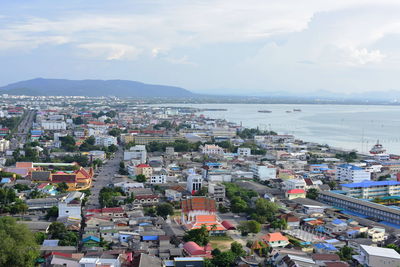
pixel 195 23
pixel 362 56
pixel 110 51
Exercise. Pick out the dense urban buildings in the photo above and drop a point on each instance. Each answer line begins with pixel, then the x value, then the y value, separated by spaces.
pixel 112 182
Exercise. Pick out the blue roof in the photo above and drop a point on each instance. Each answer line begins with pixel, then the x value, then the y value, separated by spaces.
pixel 371 183
pixel 353 213
pixel 150 238
pixel 325 246
pixel 337 221
pixel 350 167
pixel 352 232
pixel 390 224
pixel 5 180
pixel 94 238
pixel 213 164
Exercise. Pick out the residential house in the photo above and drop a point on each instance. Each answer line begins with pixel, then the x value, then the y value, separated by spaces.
pixel 275 240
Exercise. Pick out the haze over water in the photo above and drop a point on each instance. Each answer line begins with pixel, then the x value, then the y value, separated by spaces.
pixel 345 126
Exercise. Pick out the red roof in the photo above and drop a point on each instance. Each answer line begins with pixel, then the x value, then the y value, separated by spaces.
pixel 228 225
pixel 96 123
pixel 112 210
pixel 195 250
pixel 143 166
pixel 296 191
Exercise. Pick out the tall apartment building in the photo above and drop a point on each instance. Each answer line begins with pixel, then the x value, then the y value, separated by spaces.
pixel 349 172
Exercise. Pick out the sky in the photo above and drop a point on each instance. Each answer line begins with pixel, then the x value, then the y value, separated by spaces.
pixel 221 46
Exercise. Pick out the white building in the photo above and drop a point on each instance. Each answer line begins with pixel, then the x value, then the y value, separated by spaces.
pixel 136 152
pixel 263 172
pixel 158 179
pixel 105 140
pixel 173 195
pixel 4 145
pixel 194 182
pixel 377 256
pixel 244 151
pixel 217 192
pixel 70 206
pixel 349 172
pixel 54 125
pixel 294 184
pixel 127 186
pixel 211 150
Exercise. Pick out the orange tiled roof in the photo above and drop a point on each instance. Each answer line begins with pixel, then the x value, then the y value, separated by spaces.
pixel 272 237
pixel 198 203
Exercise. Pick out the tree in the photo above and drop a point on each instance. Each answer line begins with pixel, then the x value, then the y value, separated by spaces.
pixel 199 236
pixel 279 223
pixel 140 178
pixel 224 259
pixel 18 246
pixel 40 237
pixel 78 120
pixel 237 249
pixel 58 230
pixel 312 193
pixel 62 187
pixel 164 210
pixel 112 148
pixel 115 132
pixel 249 227
pixel 111 113
pixel 52 213
pixel 215 252
pixel 345 253
pixel 68 143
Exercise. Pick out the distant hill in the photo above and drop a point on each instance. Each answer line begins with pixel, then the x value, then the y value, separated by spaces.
pixel 120 88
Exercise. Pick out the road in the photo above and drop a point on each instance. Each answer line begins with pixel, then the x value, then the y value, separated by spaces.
pixel 21 135
pixel 105 176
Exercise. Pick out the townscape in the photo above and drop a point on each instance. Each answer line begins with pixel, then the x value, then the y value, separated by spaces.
pixel 106 181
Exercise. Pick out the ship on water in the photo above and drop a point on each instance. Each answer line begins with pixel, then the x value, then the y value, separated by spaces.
pixel 296 110
pixel 265 111
pixel 377 149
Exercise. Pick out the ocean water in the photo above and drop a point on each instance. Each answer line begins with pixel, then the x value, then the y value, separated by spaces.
pixel 345 126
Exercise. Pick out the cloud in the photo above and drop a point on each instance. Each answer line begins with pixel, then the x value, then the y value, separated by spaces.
pixel 110 51
pixel 363 56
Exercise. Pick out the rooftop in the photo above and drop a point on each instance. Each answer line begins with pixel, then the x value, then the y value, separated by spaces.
pixel 382 252
pixel 371 184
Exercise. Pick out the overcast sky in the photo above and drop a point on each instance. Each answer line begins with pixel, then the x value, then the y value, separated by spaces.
pixel 222 46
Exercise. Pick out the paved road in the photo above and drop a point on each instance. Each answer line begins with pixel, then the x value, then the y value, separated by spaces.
pixel 104 177
pixel 21 135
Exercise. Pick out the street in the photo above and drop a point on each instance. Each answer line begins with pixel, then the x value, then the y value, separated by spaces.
pixel 20 137
pixel 105 175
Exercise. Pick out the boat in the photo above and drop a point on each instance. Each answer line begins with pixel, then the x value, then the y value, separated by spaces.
pixel 265 111
pixel 377 149
pixel 297 110
pixel 288 111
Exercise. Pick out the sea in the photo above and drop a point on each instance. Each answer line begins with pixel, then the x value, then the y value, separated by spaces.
pixel 349 127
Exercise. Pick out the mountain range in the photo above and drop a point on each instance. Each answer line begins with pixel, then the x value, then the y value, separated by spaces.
pixel 120 88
